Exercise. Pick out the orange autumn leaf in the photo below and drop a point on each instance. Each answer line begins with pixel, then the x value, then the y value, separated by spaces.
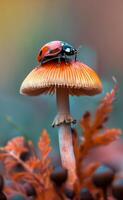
pixel 88 171
pixel 86 125
pixel 92 128
pixel 36 168
pixel 34 163
pixel 16 146
pixel 44 145
pixel 110 135
pixel 104 109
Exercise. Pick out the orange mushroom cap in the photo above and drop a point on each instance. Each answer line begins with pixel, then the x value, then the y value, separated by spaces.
pixel 76 76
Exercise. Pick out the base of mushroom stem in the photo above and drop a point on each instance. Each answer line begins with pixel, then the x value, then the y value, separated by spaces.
pixel 67 154
pixel 63 119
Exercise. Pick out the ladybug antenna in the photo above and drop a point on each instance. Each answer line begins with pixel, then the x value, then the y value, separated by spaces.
pixel 80 46
pixel 77 51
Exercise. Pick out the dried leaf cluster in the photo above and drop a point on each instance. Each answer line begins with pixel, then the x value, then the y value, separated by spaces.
pixel 28 173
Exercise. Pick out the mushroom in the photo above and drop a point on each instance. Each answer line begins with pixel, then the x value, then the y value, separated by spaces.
pixel 63 79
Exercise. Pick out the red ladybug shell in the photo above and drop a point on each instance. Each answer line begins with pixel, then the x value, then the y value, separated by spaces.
pixel 50 49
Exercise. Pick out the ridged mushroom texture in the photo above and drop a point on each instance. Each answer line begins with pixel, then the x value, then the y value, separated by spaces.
pixel 77 77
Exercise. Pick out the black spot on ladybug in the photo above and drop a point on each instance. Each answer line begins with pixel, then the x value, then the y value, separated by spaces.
pixel 54 50
pixel 40 53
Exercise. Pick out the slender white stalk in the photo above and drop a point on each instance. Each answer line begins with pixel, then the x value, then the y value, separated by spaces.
pixel 62 98
pixel 65 136
pixel 63 116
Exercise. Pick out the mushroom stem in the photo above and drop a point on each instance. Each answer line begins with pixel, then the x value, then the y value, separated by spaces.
pixel 62 97
pixel 65 136
pixel 63 116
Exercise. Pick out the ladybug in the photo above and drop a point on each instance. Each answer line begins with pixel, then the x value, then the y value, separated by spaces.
pixel 56 49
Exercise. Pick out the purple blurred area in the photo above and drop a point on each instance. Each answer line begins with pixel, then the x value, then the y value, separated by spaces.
pixel 25 26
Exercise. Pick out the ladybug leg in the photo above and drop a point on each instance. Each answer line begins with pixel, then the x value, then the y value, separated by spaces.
pixel 66 59
pixel 75 57
pixel 59 60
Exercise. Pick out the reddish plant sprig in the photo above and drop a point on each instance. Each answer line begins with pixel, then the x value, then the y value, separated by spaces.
pixel 37 170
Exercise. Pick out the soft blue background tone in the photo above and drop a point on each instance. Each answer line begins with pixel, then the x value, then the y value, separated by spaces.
pixel 25 26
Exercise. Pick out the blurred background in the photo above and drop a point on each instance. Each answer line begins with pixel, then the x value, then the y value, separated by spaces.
pixel 24 27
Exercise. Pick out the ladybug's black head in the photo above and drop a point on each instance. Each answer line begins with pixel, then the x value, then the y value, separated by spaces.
pixel 69 50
